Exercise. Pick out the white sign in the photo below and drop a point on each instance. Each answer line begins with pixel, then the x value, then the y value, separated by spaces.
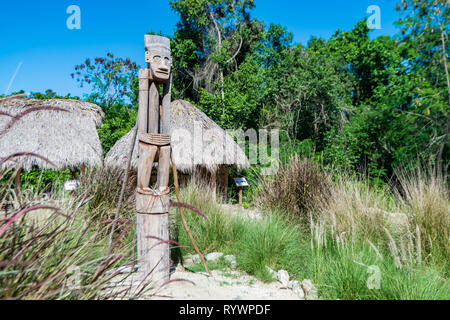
pixel 241 182
pixel 71 185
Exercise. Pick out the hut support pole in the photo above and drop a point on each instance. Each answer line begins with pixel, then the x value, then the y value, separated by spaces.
pixel 83 170
pixel 214 185
pixel 17 185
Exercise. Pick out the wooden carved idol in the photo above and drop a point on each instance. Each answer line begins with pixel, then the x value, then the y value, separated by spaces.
pixel 152 201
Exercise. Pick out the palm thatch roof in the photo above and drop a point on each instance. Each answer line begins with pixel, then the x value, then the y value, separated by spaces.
pixel 63 131
pixel 196 141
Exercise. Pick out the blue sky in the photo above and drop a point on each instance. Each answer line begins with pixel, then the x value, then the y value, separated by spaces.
pixel 34 33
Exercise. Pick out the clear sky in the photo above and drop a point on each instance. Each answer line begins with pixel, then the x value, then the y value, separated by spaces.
pixel 34 34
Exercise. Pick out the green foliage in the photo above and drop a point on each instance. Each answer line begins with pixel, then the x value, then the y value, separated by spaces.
pixel 356 103
pixel 111 80
pixel 115 87
pixel 50 94
pixel 41 180
pixel 336 262
pixel 119 120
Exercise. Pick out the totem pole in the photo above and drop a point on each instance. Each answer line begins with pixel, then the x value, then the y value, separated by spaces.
pixel 152 204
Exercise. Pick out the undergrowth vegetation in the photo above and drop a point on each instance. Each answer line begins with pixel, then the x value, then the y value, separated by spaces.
pixel 56 245
pixel 358 242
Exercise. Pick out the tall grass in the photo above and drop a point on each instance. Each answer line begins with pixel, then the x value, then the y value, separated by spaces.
pixel 343 269
pixel 52 248
pixel 350 233
pixel 425 198
pixel 215 232
pixel 356 210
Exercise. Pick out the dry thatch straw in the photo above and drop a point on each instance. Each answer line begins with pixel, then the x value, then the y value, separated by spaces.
pixel 68 139
pixel 197 141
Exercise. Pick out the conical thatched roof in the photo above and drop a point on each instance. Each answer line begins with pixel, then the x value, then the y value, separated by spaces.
pixel 196 141
pixel 68 139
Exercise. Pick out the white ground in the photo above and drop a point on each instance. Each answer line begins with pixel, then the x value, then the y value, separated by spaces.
pixel 224 285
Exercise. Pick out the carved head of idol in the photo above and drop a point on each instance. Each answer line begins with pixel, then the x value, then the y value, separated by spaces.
pixel 158 56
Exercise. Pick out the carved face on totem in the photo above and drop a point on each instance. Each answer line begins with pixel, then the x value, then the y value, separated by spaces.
pixel 158 56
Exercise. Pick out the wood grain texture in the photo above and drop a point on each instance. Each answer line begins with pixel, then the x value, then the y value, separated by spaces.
pixel 163 168
pixel 147 155
pixel 153 108
pixel 153 258
pixel 143 101
pixel 165 110
pixel 151 204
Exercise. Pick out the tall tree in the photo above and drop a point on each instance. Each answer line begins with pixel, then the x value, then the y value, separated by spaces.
pixel 425 25
pixel 212 39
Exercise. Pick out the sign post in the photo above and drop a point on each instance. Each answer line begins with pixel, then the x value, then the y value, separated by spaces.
pixel 241 183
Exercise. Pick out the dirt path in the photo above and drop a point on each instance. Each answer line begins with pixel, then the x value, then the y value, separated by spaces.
pixel 224 285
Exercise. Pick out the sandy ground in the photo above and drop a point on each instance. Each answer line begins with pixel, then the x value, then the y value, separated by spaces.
pixel 224 285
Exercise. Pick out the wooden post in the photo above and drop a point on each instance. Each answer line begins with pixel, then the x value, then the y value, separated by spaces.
pixel 222 182
pixel 73 173
pixel 145 162
pixel 165 114
pixel 17 185
pixel 83 170
pixel 240 196
pixel 240 184
pixel 153 259
pixel 214 185
pixel 163 168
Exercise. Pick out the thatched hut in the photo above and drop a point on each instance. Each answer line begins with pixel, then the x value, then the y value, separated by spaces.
pixel 65 133
pixel 199 147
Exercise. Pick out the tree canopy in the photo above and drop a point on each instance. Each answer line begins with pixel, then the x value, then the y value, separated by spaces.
pixel 361 104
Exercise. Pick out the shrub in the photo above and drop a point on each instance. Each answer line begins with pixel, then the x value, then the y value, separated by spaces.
pixel 297 188
pixel 271 242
